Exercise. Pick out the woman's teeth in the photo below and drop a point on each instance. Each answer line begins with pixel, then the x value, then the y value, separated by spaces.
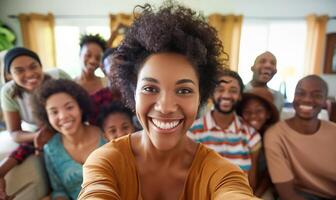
pixel 303 107
pixel 165 125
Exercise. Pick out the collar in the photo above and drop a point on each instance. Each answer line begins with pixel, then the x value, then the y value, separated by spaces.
pixel 210 123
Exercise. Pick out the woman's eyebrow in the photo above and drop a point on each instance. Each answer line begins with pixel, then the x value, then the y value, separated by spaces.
pixel 185 81
pixel 150 79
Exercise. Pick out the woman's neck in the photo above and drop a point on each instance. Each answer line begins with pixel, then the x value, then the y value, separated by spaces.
pixel 77 138
pixel 150 154
pixel 223 120
pixel 87 76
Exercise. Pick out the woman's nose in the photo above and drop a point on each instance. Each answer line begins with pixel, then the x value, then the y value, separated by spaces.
pixel 166 103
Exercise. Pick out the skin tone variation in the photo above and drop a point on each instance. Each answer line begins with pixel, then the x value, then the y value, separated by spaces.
pixel 116 125
pixel 166 53
pixel 64 116
pixel 255 113
pixel 264 68
pixel 226 96
pixel 27 74
pixel 166 107
pixel 309 98
pixel 90 56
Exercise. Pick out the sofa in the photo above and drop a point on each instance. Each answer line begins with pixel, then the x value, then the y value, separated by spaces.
pixel 28 181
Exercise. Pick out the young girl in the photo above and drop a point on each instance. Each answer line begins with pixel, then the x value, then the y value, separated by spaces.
pixel 115 120
pixel 65 106
pixel 171 58
pixel 257 108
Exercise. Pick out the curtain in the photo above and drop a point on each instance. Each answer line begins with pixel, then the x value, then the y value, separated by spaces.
pixel 229 30
pixel 315 43
pixel 38 35
pixel 118 26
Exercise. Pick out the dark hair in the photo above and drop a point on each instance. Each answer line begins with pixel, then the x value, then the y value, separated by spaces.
pixel 233 74
pixel 174 29
pixel 324 84
pixel 113 108
pixel 10 56
pixel 108 52
pixel 16 52
pixel 86 39
pixel 51 87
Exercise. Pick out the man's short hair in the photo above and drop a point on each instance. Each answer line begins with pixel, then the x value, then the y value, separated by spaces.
pixel 233 74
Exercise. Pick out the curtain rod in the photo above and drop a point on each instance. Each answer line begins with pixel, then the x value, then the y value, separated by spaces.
pixel 104 16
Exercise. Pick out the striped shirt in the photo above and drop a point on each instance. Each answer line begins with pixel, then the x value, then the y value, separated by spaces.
pixel 236 143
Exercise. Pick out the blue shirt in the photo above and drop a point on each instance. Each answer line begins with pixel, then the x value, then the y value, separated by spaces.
pixel 65 174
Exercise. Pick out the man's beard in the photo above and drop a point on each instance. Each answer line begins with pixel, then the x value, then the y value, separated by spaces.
pixel 226 112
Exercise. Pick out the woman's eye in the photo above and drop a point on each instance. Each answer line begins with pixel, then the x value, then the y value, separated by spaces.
pixel 69 107
pixel 125 128
pixel 150 89
pixel 184 91
pixel 52 113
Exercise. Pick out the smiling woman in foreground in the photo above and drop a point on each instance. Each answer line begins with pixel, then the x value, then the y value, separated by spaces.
pixel 171 58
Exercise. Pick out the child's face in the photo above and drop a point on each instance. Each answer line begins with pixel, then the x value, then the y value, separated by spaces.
pixel 116 125
pixel 255 113
pixel 64 113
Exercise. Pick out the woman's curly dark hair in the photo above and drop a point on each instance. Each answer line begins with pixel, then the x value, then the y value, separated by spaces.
pixel 51 87
pixel 176 29
pixel 97 39
pixel 113 108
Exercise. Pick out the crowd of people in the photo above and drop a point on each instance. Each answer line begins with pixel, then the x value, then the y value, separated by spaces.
pixel 146 133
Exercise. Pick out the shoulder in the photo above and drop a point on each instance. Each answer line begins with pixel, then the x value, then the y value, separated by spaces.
pixel 275 132
pixel 275 129
pixel 8 88
pixel 53 145
pixel 248 87
pixel 328 125
pixel 115 153
pixel 55 140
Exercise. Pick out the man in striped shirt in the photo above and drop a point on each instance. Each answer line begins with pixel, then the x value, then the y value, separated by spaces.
pixel 224 131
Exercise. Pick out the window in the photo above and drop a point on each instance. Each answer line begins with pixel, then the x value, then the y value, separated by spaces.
pixel 285 39
pixel 67 49
pixel 67 35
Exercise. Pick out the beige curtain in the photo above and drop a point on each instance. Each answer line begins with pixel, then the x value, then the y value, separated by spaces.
pixel 229 31
pixel 315 43
pixel 38 35
pixel 117 23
